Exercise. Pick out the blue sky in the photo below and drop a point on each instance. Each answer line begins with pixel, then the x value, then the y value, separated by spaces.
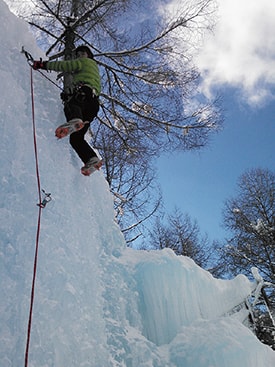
pixel 236 59
pixel 199 182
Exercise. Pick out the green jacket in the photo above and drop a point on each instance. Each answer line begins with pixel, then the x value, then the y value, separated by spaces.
pixel 84 70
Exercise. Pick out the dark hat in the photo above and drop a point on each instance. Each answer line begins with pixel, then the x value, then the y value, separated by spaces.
pixel 85 49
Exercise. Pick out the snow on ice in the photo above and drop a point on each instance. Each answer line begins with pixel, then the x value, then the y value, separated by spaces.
pixel 97 303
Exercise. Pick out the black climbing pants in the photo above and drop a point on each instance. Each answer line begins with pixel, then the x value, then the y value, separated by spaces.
pixel 83 105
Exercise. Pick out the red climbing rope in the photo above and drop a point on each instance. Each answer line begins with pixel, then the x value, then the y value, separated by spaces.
pixel 38 227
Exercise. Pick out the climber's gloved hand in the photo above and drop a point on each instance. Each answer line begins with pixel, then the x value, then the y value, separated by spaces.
pixel 39 64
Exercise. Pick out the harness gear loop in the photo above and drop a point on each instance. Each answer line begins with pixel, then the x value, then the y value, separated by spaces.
pixel 77 92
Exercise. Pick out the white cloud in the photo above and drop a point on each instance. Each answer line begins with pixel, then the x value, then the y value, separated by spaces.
pixel 241 51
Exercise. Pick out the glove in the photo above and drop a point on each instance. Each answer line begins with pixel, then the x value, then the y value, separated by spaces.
pixel 39 64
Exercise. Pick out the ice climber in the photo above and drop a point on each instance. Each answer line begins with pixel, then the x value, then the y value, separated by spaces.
pixel 82 105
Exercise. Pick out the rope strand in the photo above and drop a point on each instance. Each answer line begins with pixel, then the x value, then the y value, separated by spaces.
pixel 38 227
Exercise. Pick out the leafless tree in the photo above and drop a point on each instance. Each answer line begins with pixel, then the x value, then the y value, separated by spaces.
pixel 181 234
pixel 148 79
pixel 149 101
pixel 136 193
pixel 250 218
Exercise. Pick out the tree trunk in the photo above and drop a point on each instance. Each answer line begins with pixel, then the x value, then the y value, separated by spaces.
pixel 69 40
